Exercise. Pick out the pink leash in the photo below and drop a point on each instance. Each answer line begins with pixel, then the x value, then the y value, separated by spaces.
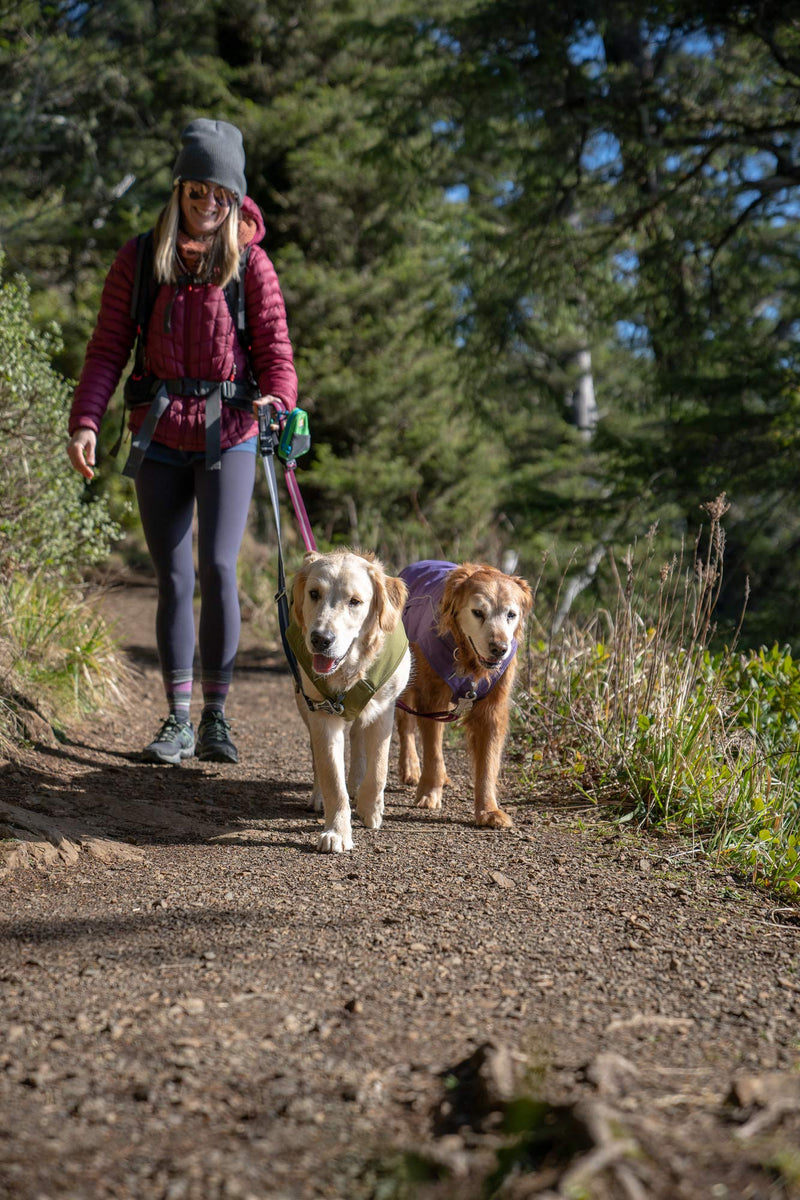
pixel 299 507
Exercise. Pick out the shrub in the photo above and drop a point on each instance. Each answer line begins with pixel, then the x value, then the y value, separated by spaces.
pixel 49 519
pixel 56 654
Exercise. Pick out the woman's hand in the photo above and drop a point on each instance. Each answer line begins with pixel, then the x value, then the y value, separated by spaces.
pixel 275 401
pixel 81 451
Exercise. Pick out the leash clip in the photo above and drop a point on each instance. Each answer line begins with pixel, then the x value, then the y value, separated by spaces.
pixel 334 708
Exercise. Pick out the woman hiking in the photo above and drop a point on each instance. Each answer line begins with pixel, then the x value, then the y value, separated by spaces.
pixel 194 396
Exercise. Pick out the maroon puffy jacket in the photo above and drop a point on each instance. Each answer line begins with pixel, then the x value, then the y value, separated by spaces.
pixel 201 344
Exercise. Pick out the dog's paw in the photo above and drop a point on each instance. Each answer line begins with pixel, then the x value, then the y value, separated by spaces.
pixel 331 842
pixel 410 777
pixel 372 818
pixel 495 818
pixel 431 800
pixel 315 802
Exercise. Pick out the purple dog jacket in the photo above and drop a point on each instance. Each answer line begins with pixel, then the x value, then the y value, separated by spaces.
pixel 425 582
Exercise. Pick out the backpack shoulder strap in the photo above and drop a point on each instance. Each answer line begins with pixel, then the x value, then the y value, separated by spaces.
pixel 235 299
pixel 142 293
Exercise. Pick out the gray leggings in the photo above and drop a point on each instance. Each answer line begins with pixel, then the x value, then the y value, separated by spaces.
pixel 167 495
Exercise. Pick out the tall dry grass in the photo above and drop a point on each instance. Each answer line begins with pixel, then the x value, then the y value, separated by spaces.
pixel 632 709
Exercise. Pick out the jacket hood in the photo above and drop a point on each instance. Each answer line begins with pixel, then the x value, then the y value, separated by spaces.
pixel 251 220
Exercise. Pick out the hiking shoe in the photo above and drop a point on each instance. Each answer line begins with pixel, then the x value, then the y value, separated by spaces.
pixel 213 742
pixel 174 741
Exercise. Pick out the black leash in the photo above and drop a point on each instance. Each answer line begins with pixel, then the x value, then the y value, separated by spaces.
pixel 268 441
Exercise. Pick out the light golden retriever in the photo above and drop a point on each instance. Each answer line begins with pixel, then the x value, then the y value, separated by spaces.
pixel 462 622
pixel 353 655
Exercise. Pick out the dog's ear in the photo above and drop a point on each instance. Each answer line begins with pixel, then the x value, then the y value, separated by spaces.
pixel 449 604
pixel 391 594
pixel 525 595
pixel 298 594
pixel 299 586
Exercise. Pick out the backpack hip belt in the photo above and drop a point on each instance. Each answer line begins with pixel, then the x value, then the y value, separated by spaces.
pixel 158 393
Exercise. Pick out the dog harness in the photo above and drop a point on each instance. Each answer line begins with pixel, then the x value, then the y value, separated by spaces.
pixel 351 703
pixel 425 582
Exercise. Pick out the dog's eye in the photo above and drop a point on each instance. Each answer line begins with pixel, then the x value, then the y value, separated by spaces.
pixel 355 602
pixel 313 594
pixel 476 612
pixel 511 615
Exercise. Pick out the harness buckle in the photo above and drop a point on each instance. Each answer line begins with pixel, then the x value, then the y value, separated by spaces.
pixel 334 708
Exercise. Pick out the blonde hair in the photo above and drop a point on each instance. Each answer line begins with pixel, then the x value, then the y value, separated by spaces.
pixel 221 263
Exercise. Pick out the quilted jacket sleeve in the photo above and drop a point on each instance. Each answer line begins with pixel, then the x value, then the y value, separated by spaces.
pixel 271 349
pixel 109 346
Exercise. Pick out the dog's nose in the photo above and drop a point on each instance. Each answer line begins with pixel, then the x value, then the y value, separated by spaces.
pixel 321 640
pixel 498 649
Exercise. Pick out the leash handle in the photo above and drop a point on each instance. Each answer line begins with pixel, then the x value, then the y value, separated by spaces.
pixel 267 430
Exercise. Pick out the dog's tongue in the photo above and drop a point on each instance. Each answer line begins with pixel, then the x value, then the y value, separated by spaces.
pixel 322 665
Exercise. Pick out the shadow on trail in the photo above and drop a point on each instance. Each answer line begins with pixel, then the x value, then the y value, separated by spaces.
pixel 155 920
pixel 148 805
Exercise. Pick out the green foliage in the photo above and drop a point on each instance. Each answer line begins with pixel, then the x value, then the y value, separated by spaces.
pixel 52 646
pixel 47 520
pixel 766 684
pixel 633 711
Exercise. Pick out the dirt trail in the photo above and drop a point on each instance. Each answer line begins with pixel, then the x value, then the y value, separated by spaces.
pixel 195 1004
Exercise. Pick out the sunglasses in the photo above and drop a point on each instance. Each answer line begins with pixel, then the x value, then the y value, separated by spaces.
pixel 201 191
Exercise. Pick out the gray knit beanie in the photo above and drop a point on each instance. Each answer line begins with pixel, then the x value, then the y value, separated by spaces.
pixel 212 151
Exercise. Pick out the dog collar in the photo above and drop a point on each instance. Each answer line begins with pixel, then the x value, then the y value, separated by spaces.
pixel 352 702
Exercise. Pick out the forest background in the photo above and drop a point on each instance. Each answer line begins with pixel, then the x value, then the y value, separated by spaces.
pixel 540 260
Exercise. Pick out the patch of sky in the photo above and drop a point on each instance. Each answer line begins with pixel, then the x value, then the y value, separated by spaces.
pixel 701 44
pixel 442 38
pixel 457 194
pixel 626 264
pixel 602 153
pixel 73 15
pixel 634 337
pixel 587 50
pixel 745 199
pixel 507 192
pixel 759 165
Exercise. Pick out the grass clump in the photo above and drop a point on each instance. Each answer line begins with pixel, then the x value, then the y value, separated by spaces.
pixel 633 709
pixel 58 656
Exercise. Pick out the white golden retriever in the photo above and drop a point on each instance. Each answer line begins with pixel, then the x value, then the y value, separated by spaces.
pixel 352 652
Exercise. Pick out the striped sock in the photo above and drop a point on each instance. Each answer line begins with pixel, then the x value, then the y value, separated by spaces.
pixel 215 685
pixel 178 686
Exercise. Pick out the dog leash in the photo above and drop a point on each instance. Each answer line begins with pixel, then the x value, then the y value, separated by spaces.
pixel 452 714
pixel 270 441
